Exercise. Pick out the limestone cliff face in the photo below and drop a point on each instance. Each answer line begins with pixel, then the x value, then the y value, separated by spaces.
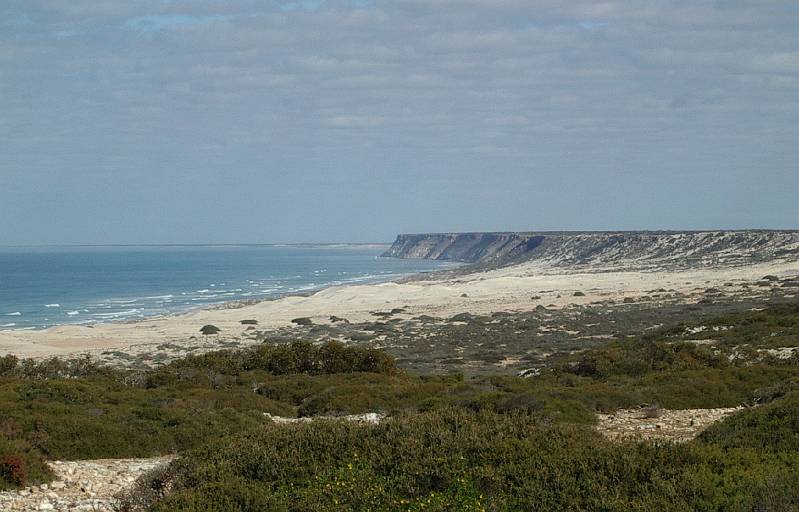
pixel 465 247
pixel 637 248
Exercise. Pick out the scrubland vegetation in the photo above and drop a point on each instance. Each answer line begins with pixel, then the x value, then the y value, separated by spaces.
pixel 452 441
pixel 456 459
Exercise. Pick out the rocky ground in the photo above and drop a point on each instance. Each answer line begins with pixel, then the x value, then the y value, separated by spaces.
pixel 88 485
pixel 92 485
pixel 660 424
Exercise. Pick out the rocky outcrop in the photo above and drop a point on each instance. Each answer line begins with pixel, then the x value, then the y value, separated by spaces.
pixel 690 248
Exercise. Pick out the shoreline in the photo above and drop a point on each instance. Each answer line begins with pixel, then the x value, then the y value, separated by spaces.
pixel 440 293
pixel 238 303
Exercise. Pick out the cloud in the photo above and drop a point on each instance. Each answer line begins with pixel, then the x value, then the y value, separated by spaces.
pixel 163 91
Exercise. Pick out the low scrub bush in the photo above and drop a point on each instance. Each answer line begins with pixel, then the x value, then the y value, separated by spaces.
pixel 772 427
pixel 209 330
pixel 102 418
pixel 775 326
pixel 460 460
pixel 637 358
pixel 20 463
pixel 13 469
pixel 53 368
pixel 293 358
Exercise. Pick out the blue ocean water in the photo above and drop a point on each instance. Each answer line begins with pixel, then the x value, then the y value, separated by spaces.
pixel 42 287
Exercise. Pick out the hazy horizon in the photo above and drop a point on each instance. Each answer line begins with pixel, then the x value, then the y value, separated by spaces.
pixel 386 243
pixel 352 121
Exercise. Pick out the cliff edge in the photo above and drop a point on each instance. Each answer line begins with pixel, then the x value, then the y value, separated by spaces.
pixel 637 248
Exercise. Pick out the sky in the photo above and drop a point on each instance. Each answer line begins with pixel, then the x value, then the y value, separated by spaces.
pixel 258 121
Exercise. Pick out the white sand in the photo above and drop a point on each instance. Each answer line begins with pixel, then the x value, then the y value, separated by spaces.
pixel 507 289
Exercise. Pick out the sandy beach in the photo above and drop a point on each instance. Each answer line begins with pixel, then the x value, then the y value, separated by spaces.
pixel 516 288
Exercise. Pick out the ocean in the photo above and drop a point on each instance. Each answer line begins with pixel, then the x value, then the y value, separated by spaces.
pixel 42 287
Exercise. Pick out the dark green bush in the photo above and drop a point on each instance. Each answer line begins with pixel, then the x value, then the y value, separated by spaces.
pixel 457 460
pixel 294 358
pixel 8 363
pixel 637 358
pixel 775 326
pixel 210 329
pixel 53 368
pixel 773 427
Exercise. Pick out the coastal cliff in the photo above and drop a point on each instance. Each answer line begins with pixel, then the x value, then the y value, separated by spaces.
pixel 689 248
pixel 464 247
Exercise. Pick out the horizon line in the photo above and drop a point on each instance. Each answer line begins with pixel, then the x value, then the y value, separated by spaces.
pixel 407 233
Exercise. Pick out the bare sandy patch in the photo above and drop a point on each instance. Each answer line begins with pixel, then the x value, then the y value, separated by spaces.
pixel 660 424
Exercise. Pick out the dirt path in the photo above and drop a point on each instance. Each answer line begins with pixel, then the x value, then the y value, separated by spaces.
pixel 661 424
pixel 88 485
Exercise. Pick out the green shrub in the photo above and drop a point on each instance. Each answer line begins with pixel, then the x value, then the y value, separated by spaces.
pixel 775 326
pixel 8 363
pixel 457 460
pixel 637 358
pixel 101 418
pixel 182 405
pixel 53 368
pixel 774 427
pixel 293 358
pixel 210 329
